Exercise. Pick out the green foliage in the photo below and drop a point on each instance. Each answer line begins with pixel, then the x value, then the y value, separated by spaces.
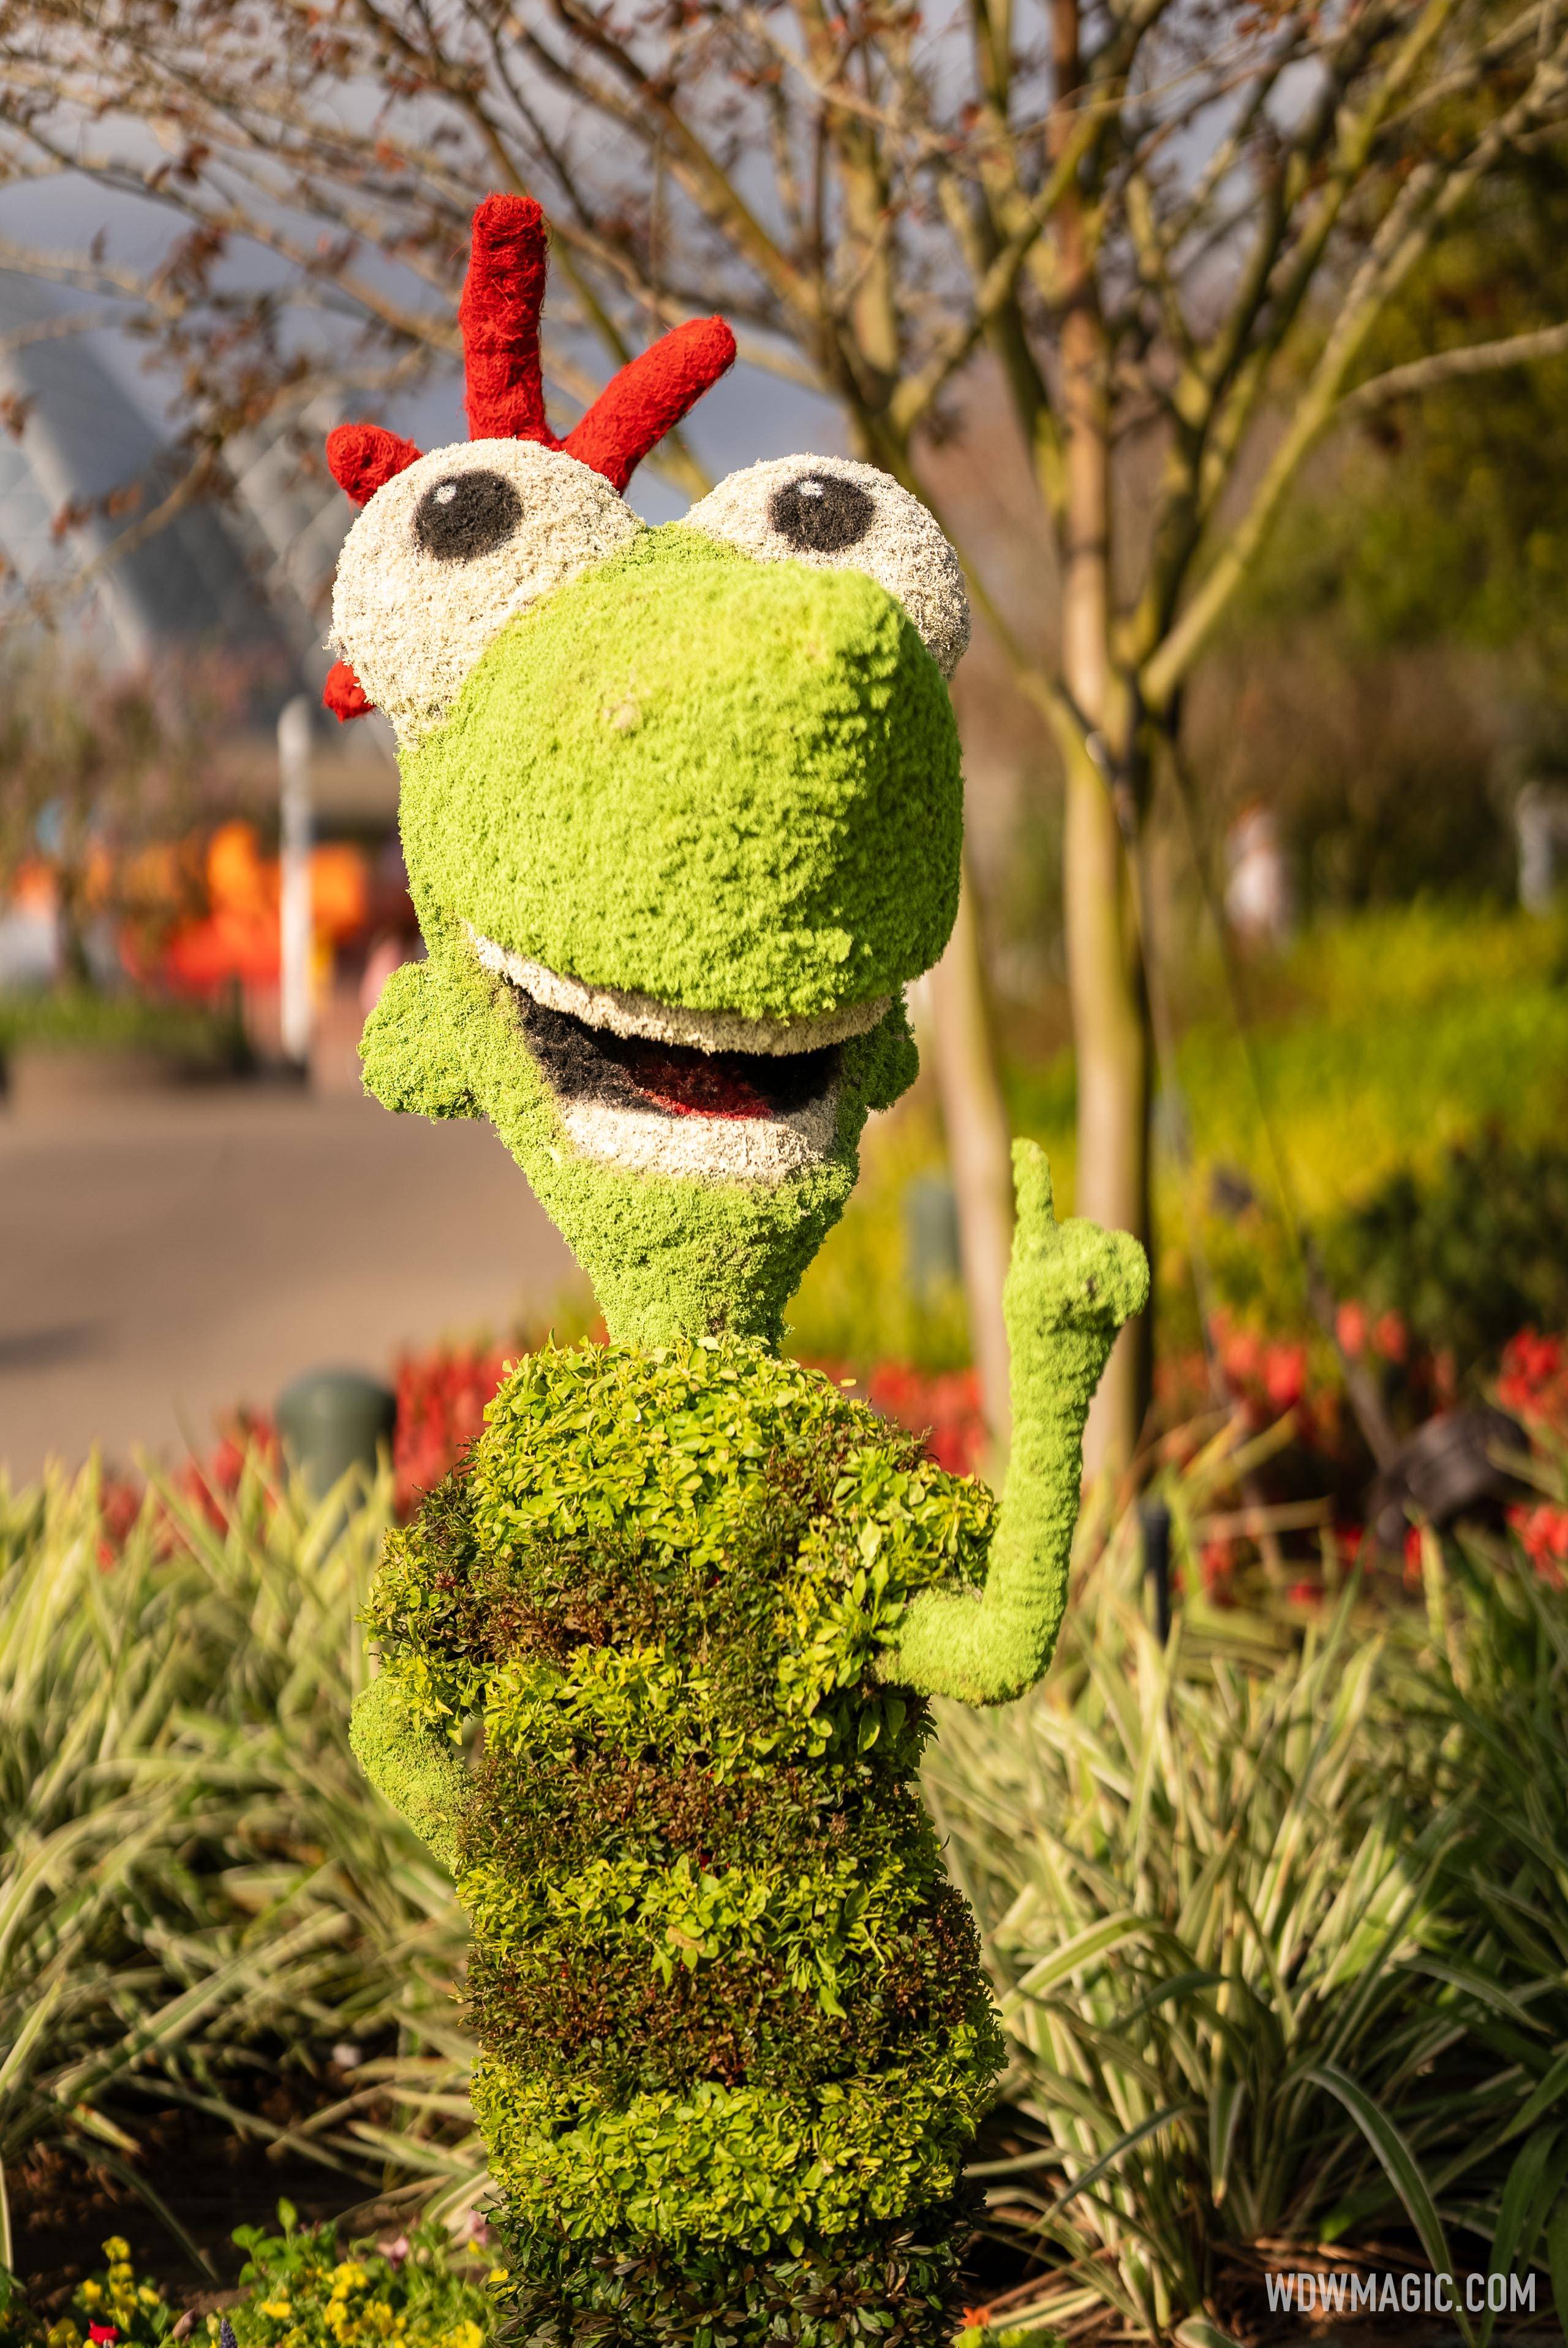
pixel 1278 1927
pixel 669 1256
pixel 1398 653
pixel 1389 1038
pixel 1385 1041
pixel 193 1875
pixel 301 2293
pixel 1453 520
pixel 730 2008
pixel 1470 1253
pixel 729 785
pixel 82 1019
pixel 891 2285
pixel 297 2291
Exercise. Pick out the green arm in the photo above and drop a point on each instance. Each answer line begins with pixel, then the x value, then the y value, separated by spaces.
pixel 419 1772
pixel 1069 1288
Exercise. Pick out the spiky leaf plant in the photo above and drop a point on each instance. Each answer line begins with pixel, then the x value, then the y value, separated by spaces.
pixel 196 1886
pixel 1278 1927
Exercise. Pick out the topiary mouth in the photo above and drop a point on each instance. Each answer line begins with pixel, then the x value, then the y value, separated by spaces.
pixel 623 1012
pixel 633 1090
pixel 590 1064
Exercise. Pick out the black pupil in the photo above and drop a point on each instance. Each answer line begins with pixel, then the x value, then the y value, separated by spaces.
pixel 470 514
pixel 821 514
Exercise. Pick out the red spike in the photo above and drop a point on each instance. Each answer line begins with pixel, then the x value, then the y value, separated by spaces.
pixel 499 314
pixel 344 694
pixel 649 397
pixel 363 459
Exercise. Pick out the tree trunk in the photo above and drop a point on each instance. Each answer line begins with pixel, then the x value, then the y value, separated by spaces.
pixel 1110 1034
pixel 1105 975
pixel 979 1154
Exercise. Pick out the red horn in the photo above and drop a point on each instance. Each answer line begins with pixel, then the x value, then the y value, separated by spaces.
pixel 499 314
pixel 344 694
pixel 362 457
pixel 649 397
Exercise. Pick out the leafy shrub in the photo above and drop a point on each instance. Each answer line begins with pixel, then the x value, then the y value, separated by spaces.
pixel 1468 1255
pixel 194 1874
pixel 442 1395
pixel 83 1019
pixel 296 2291
pixel 734 2036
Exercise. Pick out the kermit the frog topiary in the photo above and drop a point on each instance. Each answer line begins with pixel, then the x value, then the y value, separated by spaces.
pixel 682 809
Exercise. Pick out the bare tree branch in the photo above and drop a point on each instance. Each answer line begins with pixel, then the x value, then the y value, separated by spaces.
pixel 1451 367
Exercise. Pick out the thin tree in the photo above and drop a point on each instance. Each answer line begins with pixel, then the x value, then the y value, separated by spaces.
pixel 1168 227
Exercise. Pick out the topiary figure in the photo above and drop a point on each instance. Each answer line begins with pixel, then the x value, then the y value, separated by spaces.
pixel 682 809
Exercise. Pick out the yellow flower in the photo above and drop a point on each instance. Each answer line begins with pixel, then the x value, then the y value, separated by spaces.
pixel 277 2308
pixel 91 2294
pixel 147 2295
pixel 464 2336
pixel 117 2247
pixel 63 2335
pixel 498 2274
pixel 349 2276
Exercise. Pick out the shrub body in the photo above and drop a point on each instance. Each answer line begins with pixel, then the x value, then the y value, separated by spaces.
pixel 735 2033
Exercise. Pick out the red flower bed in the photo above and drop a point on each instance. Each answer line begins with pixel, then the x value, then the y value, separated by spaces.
pixel 1533 1381
pixel 1268 1382
pixel 441 1398
pixel 207 1484
pixel 943 1405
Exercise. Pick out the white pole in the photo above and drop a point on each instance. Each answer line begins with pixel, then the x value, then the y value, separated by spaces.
pixel 296 942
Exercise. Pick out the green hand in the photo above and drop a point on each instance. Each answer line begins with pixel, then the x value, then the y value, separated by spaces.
pixel 410 1049
pixel 1069 1288
pixel 417 1772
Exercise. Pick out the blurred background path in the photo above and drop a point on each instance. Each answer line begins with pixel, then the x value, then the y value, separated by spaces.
pixel 164 1259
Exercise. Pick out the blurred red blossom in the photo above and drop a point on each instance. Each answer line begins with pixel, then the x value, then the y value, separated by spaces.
pixel 1542 1533
pixel 1532 1380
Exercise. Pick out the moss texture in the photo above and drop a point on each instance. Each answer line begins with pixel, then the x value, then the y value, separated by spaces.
pixel 730 784
pixel 666 1258
pixel 732 2013
pixel 1070 1287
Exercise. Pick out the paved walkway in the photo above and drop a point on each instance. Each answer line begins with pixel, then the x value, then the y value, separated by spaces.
pixel 164 1259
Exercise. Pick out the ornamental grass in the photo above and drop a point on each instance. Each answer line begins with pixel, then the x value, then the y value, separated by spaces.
pixel 1278 1923
pixel 197 1889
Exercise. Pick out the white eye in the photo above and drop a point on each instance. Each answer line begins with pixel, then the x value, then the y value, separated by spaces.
pixel 841 516
pixel 449 552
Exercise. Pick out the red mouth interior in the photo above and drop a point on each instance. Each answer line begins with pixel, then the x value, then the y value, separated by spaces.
pixel 694 1084
pixel 585 1063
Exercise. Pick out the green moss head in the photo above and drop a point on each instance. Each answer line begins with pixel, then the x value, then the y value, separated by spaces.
pixel 677 837
pixel 726 784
